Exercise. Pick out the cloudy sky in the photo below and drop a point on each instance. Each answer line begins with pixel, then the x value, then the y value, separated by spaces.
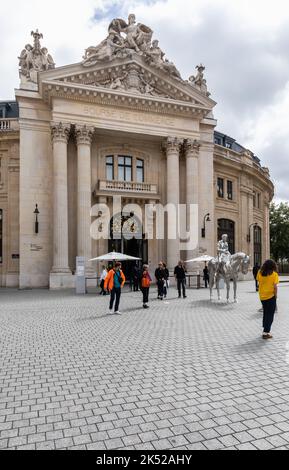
pixel 243 43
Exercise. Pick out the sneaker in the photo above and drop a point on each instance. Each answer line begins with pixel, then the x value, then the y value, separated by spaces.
pixel 117 313
pixel 267 336
pixel 145 306
pixel 110 312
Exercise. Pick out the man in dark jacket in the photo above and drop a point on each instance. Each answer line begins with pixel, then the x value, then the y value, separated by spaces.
pixel 160 276
pixel 180 276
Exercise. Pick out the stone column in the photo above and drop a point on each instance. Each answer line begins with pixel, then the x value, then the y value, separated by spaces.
pixel 172 146
pixel 192 150
pixel 84 138
pixel 60 134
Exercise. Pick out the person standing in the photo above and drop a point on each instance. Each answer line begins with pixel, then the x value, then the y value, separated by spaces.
pixel 102 279
pixel 180 276
pixel 136 278
pixel 160 278
pixel 145 282
pixel 114 282
pixel 268 289
pixel 256 269
pixel 206 276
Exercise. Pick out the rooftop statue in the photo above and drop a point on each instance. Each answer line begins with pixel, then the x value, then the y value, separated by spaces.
pixel 34 59
pixel 125 39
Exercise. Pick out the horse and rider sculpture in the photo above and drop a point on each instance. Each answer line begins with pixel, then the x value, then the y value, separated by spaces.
pixel 227 266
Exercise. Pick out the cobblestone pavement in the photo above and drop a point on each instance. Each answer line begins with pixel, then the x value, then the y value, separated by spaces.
pixel 186 374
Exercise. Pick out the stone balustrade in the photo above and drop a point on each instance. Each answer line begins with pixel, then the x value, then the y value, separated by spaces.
pixel 7 125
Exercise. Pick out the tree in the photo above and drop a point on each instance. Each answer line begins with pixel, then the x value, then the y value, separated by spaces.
pixel 279 231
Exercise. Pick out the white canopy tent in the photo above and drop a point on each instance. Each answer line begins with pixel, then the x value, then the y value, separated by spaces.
pixel 114 256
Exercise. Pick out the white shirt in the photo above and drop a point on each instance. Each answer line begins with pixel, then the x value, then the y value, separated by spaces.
pixel 103 275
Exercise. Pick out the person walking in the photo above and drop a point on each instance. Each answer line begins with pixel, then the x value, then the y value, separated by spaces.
pixel 160 278
pixel 268 280
pixel 180 276
pixel 114 282
pixel 145 282
pixel 167 280
pixel 256 269
pixel 102 279
pixel 206 276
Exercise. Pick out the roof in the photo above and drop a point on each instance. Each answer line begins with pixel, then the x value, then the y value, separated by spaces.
pixel 9 109
pixel 230 143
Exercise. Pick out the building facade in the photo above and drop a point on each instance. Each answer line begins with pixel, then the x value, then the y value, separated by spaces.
pixel 119 128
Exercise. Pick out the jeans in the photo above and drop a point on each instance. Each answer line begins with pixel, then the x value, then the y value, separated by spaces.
pixel 115 296
pixel 182 287
pixel 145 291
pixel 269 308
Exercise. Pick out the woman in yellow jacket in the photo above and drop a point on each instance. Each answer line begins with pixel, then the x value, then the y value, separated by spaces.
pixel 268 288
pixel 114 282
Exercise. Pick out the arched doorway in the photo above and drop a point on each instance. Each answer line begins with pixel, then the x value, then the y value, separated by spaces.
pixel 126 236
pixel 257 245
pixel 227 226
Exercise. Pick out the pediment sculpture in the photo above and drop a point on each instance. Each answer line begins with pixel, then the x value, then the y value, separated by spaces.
pixel 125 39
pixel 34 59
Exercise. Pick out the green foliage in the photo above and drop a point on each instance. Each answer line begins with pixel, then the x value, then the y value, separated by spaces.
pixel 279 231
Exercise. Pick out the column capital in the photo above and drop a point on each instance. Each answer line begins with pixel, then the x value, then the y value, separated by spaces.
pixel 60 132
pixel 172 145
pixel 192 148
pixel 84 134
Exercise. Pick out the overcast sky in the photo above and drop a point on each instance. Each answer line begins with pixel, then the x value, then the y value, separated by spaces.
pixel 243 43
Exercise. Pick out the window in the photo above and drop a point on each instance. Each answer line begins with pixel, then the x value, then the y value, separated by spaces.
pixel 230 190
pixel 110 168
pixel 258 245
pixel 220 186
pixel 254 199
pixel 140 171
pixel 124 168
pixel 218 141
pixel 1 236
pixel 226 226
pixel 228 145
pixel 259 201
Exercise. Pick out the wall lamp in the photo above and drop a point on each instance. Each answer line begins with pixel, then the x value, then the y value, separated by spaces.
pixel 206 219
pixel 249 232
pixel 36 223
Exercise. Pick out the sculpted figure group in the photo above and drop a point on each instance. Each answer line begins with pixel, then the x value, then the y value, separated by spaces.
pixel 34 59
pixel 125 39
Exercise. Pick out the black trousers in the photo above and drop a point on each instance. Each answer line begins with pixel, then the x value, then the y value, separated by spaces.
pixel 161 288
pixel 115 296
pixel 182 287
pixel 257 285
pixel 207 280
pixel 145 292
pixel 102 287
pixel 269 308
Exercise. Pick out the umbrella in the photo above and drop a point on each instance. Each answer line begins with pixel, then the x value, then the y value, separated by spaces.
pixel 201 259
pixel 114 256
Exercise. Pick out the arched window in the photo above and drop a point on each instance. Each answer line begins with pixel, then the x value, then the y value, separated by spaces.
pixel 226 226
pixel 257 245
pixel 1 236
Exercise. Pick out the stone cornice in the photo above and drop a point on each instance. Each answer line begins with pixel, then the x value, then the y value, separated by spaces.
pixel 60 132
pixel 122 99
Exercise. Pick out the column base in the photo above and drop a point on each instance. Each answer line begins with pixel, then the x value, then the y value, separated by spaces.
pixel 63 280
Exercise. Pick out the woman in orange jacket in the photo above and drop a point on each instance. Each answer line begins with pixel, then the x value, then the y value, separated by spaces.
pixel 114 282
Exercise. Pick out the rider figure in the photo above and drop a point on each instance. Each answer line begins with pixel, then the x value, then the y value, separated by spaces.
pixel 224 256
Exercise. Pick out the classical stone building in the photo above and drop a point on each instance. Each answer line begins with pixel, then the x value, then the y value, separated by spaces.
pixel 122 122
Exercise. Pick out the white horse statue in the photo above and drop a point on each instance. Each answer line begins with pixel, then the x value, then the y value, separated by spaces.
pixel 229 270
